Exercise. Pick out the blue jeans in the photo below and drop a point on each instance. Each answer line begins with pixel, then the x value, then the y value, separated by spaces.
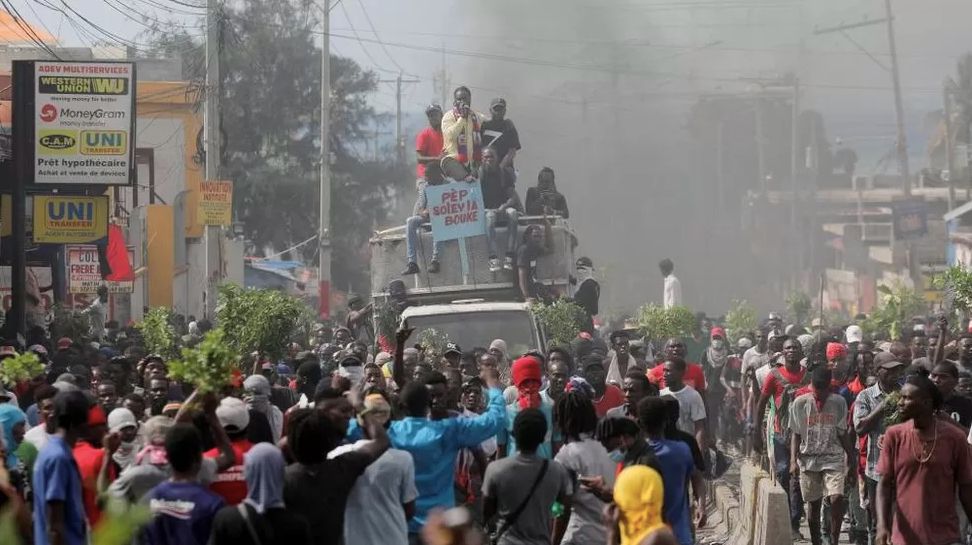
pixel 781 457
pixel 412 226
pixel 492 216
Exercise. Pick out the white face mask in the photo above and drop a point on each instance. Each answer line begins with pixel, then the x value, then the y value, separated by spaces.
pixel 718 344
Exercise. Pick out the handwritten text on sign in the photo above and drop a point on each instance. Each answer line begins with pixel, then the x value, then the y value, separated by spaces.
pixel 456 210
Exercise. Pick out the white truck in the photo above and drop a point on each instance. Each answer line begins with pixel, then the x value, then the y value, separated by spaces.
pixel 472 306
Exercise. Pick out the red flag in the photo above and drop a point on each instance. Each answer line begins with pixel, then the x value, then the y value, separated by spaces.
pixel 117 255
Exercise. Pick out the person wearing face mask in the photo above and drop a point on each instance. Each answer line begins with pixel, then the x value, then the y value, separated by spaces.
pixel 528 377
pixel 352 368
pixel 713 359
pixel 122 421
pixel 588 292
pixel 257 397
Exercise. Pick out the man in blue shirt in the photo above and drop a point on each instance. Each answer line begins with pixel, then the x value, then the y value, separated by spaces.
pixel 58 506
pixel 677 468
pixel 434 444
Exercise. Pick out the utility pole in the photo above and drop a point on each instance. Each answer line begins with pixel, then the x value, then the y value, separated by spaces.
pixel 440 82
pixel 399 137
pixel 211 131
pixel 947 87
pixel 760 159
pixel 324 229
pixel 901 144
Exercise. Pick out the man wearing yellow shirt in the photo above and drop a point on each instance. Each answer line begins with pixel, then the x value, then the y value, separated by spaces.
pixel 462 143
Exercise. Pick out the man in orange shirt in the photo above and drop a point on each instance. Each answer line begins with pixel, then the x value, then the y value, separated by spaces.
pixel 234 418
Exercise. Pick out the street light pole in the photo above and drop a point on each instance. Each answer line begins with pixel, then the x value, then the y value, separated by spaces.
pixel 324 234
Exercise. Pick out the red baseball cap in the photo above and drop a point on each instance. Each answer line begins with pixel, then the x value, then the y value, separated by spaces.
pixel 64 343
pixel 717 332
pixel 96 416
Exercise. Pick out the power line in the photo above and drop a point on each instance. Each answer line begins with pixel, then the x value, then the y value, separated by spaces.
pixel 28 32
pixel 41 21
pixel 382 44
pixel 361 42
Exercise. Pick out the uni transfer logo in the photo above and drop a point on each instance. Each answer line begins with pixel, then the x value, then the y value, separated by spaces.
pixel 48 113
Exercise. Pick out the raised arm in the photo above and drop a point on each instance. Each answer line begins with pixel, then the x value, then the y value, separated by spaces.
pixel 470 432
pixel 398 363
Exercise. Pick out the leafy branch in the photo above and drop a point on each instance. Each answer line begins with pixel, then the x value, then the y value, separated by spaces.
pixel 158 333
pixel 20 368
pixel 561 320
pixel 660 323
pixel 208 366
pixel 741 320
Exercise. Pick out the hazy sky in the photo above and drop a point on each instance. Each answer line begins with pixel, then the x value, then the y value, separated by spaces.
pixel 600 91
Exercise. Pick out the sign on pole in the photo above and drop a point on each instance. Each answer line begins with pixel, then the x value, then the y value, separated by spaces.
pixel 910 219
pixel 456 210
pixel 69 220
pixel 215 203
pixel 84 271
pixel 84 123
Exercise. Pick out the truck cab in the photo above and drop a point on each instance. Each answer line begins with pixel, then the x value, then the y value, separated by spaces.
pixel 477 322
pixel 465 301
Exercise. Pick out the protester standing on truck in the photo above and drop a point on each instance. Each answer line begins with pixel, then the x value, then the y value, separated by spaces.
pixel 462 142
pixel 502 206
pixel 588 292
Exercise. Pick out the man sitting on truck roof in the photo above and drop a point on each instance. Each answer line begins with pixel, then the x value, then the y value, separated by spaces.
pixel 502 205
pixel 461 139
pixel 429 150
pixel 544 199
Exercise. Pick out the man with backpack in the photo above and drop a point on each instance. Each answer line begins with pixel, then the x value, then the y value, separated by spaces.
pixel 780 388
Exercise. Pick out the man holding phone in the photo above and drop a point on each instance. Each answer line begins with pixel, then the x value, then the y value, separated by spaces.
pixel 461 138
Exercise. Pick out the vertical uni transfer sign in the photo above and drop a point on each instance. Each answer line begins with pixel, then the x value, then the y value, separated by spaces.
pixel 84 123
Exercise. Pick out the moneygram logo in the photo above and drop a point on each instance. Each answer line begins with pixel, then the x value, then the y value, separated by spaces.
pixel 86 115
pixel 57 142
pixel 48 113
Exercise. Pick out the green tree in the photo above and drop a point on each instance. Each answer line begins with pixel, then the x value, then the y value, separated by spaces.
pixel 158 333
pixel 798 305
pixel 561 320
pixel 659 323
pixel 260 320
pixel 741 320
pixel 899 304
pixel 270 118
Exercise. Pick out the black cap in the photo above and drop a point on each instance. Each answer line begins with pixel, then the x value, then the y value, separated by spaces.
pixel 452 348
pixel 584 262
pixel 497 102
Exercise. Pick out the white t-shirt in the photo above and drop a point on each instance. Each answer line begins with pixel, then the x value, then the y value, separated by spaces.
pixel 586 458
pixel 754 359
pixel 37 436
pixel 374 512
pixel 691 408
pixel 673 292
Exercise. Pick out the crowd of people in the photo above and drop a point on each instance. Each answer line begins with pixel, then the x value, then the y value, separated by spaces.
pixel 606 440
pixel 463 145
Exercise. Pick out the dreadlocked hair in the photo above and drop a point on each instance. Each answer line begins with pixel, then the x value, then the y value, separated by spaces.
pixel 575 415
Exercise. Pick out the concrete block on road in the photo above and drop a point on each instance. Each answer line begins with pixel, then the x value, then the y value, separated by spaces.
pixel 772 521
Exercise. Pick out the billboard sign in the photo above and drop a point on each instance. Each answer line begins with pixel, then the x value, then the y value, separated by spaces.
pixel 84 271
pixel 69 220
pixel 84 123
pixel 215 203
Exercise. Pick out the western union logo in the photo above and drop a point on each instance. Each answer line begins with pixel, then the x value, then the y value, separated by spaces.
pixel 57 142
pixel 104 142
pixel 67 85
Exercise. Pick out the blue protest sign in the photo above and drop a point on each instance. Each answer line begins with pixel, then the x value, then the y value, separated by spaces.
pixel 456 210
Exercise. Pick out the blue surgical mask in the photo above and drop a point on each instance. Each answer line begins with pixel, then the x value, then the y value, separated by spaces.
pixel 616 456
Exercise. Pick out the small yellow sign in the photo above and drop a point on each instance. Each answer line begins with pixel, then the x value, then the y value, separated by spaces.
pixel 104 142
pixel 70 220
pixel 57 142
pixel 215 203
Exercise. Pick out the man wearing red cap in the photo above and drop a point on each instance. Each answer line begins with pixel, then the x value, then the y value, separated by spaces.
pixel 527 376
pixel 713 359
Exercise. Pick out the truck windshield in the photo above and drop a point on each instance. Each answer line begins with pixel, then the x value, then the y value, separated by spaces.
pixel 471 329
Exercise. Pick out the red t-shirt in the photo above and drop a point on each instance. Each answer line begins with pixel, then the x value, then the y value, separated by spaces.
pixel 924 499
pixel 89 461
pixel 613 397
pixel 231 484
pixel 428 143
pixel 776 388
pixel 694 376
